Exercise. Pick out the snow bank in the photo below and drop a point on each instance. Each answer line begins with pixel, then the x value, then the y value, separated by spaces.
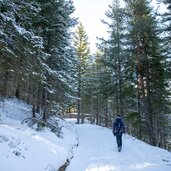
pixel 24 149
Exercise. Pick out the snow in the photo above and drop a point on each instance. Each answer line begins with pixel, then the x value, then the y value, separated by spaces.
pixel 23 148
pixel 89 147
pixel 97 151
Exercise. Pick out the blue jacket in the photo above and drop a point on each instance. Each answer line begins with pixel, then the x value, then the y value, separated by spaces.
pixel 118 127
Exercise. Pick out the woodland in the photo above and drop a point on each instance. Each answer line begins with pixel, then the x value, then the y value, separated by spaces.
pixel 50 66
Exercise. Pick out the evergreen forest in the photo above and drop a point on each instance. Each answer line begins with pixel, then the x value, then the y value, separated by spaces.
pixel 47 63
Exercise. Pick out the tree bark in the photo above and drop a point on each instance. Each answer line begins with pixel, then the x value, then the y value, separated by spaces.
pixel 79 96
pixel 106 113
pixel 44 103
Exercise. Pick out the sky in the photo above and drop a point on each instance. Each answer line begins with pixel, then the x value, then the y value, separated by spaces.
pixel 90 13
pixel 88 147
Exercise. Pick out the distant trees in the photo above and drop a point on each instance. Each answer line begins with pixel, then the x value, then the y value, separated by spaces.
pixel 110 67
pixel 130 73
pixel 133 53
pixel 38 62
pixel 114 54
pixel 83 53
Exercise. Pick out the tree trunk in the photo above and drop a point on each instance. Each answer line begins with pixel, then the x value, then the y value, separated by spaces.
pixel 106 113
pixel 150 114
pixel 4 93
pixel 92 110
pixel 79 96
pixel 139 104
pixel 97 112
pixel 82 113
pixel 33 111
pixel 17 93
pixel 44 103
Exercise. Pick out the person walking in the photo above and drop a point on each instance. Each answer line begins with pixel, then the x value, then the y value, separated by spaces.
pixel 118 130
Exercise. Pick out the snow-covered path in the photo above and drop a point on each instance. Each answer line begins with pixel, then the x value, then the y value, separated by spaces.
pixel 97 152
pixel 24 149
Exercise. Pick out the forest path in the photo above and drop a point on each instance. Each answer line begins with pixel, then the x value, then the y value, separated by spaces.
pixel 97 151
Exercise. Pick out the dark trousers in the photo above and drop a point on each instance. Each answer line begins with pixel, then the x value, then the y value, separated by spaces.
pixel 119 140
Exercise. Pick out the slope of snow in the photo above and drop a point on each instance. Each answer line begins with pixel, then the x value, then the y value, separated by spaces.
pixel 97 151
pixel 24 149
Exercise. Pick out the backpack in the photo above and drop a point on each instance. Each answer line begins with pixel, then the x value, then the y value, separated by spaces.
pixel 118 127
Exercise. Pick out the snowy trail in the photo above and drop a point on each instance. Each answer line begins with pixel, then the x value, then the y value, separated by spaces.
pixel 97 152
pixel 29 150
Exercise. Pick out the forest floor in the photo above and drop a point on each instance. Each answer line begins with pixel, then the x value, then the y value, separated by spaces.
pixel 82 147
pixel 97 151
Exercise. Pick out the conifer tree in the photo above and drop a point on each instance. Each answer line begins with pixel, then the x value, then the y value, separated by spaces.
pixel 83 51
pixel 38 60
pixel 19 45
pixel 147 59
pixel 166 43
pixel 113 56
pixel 54 24
pixel 166 30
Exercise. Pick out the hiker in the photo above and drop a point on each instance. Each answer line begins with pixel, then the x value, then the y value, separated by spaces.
pixel 118 130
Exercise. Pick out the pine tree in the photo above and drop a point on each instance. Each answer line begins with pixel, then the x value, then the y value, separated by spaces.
pixel 54 24
pixel 19 45
pixel 113 57
pixel 147 59
pixel 166 37
pixel 83 51
pixel 167 23
pixel 38 60
pixel 166 43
